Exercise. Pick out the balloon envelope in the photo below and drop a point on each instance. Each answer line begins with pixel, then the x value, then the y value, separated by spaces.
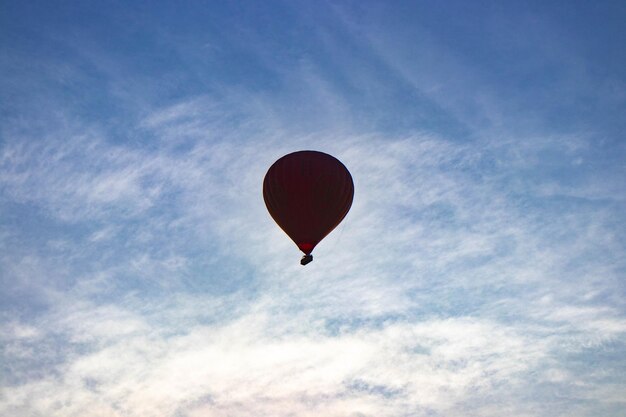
pixel 308 193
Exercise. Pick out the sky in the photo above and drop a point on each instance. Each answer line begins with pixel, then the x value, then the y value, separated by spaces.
pixel 480 271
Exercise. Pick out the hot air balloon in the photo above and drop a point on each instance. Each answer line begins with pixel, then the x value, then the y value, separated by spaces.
pixel 308 193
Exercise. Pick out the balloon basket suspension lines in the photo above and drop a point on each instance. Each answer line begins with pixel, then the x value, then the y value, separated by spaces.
pixel 306 259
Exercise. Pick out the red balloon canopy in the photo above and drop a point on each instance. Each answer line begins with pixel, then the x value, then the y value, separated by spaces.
pixel 308 193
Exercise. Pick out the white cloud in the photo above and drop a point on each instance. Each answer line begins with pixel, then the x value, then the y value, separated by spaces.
pixel 452 285
pixel 259 363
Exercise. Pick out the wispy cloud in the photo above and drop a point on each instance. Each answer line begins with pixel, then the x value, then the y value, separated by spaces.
pixel 258 362
pixel 474 275
pixel 407 310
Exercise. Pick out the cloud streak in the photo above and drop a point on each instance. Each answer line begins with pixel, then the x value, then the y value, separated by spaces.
pixel 479 274
pixel 377 326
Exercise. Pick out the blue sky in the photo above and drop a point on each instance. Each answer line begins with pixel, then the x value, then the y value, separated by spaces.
pixel 480 271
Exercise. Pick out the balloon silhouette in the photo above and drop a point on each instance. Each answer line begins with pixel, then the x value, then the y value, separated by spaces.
pixel 308 193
